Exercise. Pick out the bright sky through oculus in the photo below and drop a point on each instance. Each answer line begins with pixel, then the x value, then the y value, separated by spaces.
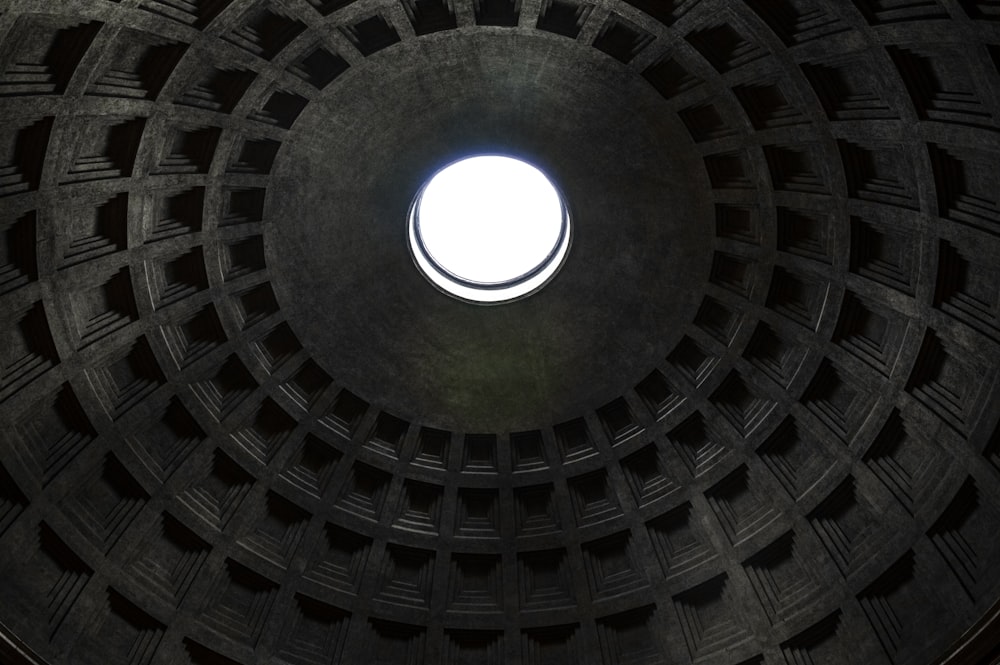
pixel 489 228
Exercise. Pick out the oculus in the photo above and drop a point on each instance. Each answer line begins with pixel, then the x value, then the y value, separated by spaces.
pixel 489 229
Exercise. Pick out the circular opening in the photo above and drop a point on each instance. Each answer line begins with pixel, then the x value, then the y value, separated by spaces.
pixel 489 229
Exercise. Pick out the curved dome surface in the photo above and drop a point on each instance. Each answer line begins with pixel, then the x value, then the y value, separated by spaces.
pixel 752 420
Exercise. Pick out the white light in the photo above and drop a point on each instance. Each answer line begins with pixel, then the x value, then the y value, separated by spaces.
pixel 489 229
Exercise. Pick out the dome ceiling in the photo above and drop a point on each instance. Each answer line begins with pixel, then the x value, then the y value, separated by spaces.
pixel 348 175
pixel 753 419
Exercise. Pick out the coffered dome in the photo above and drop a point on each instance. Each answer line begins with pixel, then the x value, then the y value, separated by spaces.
pixel 751 419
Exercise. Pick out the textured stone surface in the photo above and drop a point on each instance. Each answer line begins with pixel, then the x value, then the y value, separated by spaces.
pixel 372 141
